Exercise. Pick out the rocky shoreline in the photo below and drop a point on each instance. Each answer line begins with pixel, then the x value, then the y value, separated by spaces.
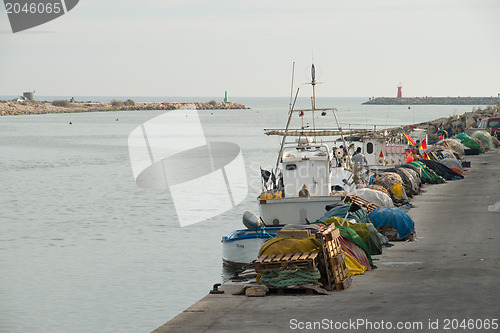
pixel 452 125
pixel 433 101
pixel 36 107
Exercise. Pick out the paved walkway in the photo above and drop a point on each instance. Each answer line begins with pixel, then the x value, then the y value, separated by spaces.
pixel 450 273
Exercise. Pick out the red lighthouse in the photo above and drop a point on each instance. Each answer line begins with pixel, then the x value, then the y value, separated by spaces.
pixel 400 90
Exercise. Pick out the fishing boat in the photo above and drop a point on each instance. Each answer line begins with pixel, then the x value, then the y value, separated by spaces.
pixel 313 160
pixel 383 151
pixel 243 245
pixel 313 165
pixel 309 166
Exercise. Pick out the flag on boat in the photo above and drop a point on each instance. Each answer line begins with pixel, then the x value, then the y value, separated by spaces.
pixel 265 175
pixel 410 140
pixel 423 145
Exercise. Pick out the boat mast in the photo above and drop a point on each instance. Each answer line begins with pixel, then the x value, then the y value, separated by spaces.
pixel 313 83
pixel 290 112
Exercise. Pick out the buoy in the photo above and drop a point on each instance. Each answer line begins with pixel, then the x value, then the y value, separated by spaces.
pixel 409 159
pixel 440 137
pixel 70 123
pixel 116 119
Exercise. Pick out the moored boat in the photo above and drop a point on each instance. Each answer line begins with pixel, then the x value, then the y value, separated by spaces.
pixel 300 187
pixel 313 164
pixel 243 245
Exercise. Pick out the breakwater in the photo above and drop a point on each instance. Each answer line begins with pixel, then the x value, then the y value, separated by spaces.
pixel 36 107
pixel 453 124
pixel 433 101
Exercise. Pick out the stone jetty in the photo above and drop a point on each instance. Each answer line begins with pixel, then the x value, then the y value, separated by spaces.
pixel 36 107
pixel 434 101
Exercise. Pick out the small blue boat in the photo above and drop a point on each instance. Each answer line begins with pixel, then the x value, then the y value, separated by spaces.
pixel 242 246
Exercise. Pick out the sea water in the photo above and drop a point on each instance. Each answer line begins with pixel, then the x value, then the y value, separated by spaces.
pixel 84 249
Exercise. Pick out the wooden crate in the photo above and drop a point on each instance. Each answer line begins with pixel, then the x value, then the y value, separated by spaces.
pixel 276 262
pixel 361 202
pixel 294 233
pixel 334 259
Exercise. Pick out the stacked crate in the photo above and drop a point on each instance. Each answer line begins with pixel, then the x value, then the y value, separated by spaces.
pixel 276 262
pixel 361 202
pixel 334 259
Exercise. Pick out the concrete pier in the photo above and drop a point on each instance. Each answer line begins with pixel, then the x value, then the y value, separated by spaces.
pixel 448 280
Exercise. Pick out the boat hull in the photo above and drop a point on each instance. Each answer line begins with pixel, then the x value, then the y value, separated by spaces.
pixel 242 246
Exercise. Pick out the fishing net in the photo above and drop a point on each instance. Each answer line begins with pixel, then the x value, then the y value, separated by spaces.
pixel 291 277
pixel 378 197
pixel 485 139
pixel 453 144
pixel 392 182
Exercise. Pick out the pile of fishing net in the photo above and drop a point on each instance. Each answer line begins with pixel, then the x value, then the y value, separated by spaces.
pixel 411 179
pixel 456 146
pixel 485 138
pixel 292 277
pixel 343 210
pixel 443 152
pixel 378 197
pixel 428 175
pixel 453 164
pixel 393 183
pixel 442 170
pixel 469 142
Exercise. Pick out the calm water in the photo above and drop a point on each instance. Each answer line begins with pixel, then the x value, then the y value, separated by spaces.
pixel 83 249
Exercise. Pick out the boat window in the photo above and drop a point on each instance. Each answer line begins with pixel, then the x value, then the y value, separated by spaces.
pixel 369 148
pixel 291 167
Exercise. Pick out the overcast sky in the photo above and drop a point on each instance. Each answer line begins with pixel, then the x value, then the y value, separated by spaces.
pixel 201 48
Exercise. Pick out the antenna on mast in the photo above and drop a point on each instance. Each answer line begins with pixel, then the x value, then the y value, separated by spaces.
pixel 313 83
pixel 313 99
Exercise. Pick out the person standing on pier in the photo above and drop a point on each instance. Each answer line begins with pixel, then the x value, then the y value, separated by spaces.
pixel 359 157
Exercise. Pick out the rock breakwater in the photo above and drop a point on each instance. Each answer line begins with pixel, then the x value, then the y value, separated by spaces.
pixel 453 124
pixel 36 107
pixel 434 101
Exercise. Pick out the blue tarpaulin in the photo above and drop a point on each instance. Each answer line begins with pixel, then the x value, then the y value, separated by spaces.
pixel 340 211
pixel 393 217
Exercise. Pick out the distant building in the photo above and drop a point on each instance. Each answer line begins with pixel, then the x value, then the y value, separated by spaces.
pixel 29 95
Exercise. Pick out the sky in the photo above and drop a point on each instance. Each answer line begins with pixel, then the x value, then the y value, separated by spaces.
pixel 361 48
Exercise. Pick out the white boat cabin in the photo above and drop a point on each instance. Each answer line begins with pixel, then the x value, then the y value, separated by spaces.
pixel 307 164
pixel 379 152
